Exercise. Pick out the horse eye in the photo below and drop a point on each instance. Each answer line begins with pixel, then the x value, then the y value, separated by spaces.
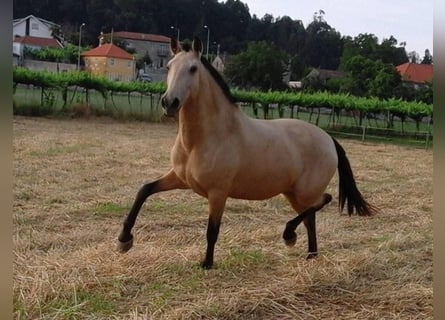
pixel 193 69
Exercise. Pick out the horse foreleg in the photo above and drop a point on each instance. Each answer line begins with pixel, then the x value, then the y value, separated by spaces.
pixel 169 181
pixel 217 202
pixel 308 218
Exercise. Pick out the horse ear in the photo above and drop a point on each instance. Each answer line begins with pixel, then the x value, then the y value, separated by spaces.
pixel 197 46
pixel 175 47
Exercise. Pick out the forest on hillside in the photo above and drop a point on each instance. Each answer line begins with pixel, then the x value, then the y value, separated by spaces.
pixel 230 22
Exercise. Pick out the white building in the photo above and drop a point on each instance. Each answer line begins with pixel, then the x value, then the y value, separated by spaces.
pixel 34 33
pixel 34 27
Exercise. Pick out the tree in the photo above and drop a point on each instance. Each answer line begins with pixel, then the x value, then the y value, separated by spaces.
pixel 261 66
pixel 233 16
pixel 297 67
pixel 385 82
pixel 425 93
pixel 362 45
pixel 143 61
pixel 413 57
pixel 285 33
pixel 428 58
pixel 67 54
pixel 323 45
pixel 389 53
pixel 360 71
pixel 367 45
pixel 367 77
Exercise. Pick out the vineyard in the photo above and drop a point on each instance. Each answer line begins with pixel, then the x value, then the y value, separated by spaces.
pixel 70 91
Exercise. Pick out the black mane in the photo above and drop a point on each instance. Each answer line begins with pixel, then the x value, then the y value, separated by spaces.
pixel 218 79
pixel 186 46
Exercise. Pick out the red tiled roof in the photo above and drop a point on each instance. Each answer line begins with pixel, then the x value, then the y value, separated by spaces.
pixel 140 36
pixel 108 50
pixel 38 41
pixel 413 72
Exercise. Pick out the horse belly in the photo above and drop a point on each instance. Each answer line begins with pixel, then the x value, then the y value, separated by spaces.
pixel 262 185
pixel 258 194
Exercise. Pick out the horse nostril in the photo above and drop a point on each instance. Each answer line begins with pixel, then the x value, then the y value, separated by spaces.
pixel 170 106
pixel 175 103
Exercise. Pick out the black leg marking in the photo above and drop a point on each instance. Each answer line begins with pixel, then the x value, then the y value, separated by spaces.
pixel 212 237
pixel 309 223
pixel 289 235
pixel 125 237
pixel 308 217
pixel 217 202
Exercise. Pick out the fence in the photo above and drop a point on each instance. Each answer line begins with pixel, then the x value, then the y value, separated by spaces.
pixel 380 126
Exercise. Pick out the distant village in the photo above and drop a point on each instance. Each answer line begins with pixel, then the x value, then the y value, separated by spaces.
pixel 115 63
pixel 107 59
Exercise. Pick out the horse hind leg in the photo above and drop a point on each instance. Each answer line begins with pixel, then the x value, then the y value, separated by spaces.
pixel 289 235
pixel 309 223
pixel 308 218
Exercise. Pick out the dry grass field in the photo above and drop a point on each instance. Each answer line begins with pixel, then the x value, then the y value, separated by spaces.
pixel 74 181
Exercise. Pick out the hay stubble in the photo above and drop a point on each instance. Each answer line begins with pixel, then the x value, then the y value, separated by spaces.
pixel 74 181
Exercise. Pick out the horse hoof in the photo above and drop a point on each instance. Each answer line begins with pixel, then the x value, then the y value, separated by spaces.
pixel 290 238
pixel 311 255
pixel 290 242
pixel 206 265
pixel 124 246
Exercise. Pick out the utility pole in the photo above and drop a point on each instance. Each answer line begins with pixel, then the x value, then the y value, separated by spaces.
pixel 80 39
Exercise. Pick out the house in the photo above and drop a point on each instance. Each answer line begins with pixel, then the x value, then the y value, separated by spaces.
pixel 218 62
pixel 19 57
pixel 15 59
pixel 34 27
pixel 33 33
pixel 318 78
pixel 110 61
pixel 416 74
pixel 295 84
pixel 19 43
pixel 324 75
pixel 156 46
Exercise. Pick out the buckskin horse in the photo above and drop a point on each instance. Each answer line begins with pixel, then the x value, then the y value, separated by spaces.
pixel 220 152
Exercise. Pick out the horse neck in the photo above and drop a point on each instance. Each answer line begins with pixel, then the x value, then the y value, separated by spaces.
pixel 206 114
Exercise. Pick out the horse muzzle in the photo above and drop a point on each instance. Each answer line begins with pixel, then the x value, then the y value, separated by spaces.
pixel 170 107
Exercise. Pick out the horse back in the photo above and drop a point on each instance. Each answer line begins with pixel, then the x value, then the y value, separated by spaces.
pixel 279 156
pixel 289 140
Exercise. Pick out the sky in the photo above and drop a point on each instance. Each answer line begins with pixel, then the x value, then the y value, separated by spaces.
pixel 410 21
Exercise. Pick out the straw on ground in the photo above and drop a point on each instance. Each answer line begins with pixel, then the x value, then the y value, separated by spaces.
pixel 74 181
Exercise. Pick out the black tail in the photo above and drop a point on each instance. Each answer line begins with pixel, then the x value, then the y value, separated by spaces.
pixel 347 189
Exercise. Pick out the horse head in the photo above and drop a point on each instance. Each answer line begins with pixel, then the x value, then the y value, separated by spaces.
pixel 183 75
